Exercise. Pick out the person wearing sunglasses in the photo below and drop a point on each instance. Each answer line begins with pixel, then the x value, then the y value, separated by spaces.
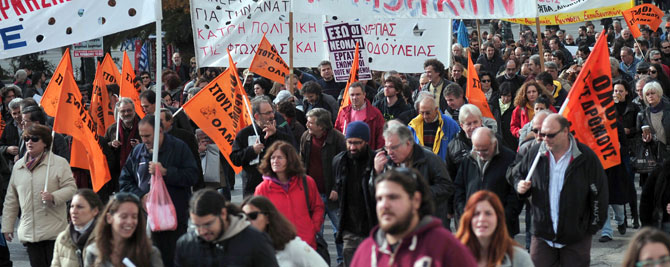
pixel 291 250
pixel 71 244
pixel 41 199
pixel 221 235
pixel 648 247
pixel 121 236
pixel 568 195
pixel 656 72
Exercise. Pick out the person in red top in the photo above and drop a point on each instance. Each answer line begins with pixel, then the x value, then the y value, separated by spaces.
pixel 407 234
pixel 283 184
pixel 360 109
pixel 524 103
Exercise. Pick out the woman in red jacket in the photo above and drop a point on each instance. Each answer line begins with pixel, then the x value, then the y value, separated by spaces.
pixel 283 183
pixel 524 101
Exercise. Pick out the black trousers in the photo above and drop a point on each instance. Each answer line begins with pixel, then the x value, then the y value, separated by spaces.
pixel 40 253
pixel 166 242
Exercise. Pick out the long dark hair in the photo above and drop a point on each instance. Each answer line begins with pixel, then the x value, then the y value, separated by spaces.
pixel 137 247
pixel 280 229
pixel 662 78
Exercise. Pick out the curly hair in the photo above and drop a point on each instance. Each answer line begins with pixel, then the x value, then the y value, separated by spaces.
pixel 294 165
pixel 521 100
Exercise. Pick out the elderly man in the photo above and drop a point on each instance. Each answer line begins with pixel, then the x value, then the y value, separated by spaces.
pixel 568 195
pixel 180 67
pixel 628 61
pixel 457 53
pixel 432 129
pixel 360 109
pixel 626 40
pixel 470 118
pixel 400 150
pixel 484 169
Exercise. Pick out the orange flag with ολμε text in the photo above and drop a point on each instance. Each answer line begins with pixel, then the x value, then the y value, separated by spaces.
pixel 50 97
pixel 353 77
pixel 219 110
pixel 474 93
pixel 128 87
pixel 102 110
pixel 589 106
pixel 268 63
pixel 645 14
pixel 71 118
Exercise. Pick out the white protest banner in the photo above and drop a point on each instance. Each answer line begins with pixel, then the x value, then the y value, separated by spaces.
pixel 33 26
pixel 472 9
pixel 90 48
pixel 341 42
pixel 557 12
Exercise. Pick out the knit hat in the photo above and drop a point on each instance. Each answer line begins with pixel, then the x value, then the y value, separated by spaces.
pixel 358 129
pixel 283 94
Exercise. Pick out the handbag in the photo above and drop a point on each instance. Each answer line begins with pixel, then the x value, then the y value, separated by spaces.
pixel 321 245
pixel 160 209
pixel 645 159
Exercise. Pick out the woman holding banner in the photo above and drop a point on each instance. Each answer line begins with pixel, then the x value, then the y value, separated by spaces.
pixel 39 187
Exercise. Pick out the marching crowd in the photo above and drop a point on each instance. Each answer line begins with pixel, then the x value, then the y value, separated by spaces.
pixel 407 162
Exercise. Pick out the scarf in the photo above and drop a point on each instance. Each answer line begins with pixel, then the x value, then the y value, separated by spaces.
pixel 657 108
pixel 32 162
pixel 126 148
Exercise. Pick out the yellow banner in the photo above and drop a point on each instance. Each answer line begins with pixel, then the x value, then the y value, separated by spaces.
pixel 577 16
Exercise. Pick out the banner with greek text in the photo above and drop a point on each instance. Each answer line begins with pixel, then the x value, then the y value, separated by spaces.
pixel 474 9
pixel 557 12
pixel 33 26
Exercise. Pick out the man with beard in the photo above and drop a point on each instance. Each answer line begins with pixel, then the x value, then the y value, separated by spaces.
pixel 511 75
pixel 393 103
pixel 128 137
pixel 352 170
pixel 407 234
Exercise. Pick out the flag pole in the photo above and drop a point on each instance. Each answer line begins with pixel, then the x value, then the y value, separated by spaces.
pixel 450 40
pixel 539 38
pixel 535 161
pixel 479 34
pixel 253 123
pixel 290 50
pixel 159 85
pixel 51 147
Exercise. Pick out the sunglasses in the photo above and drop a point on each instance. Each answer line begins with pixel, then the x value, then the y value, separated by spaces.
pixel 486 81
pixel 666 47
pixel 652 72
pixel 253 215
pixel 642 71
pixel 535 130
pixel 546 135
pixel 33 138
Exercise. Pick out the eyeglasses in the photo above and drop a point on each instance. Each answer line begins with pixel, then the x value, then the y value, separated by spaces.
pixel 485 81
pixel 665 47
pixel 125 197
pixel 655 59
pixel 546 135
pixel 648 263
pixel 33 138
pixel 251 216
pixel 393 148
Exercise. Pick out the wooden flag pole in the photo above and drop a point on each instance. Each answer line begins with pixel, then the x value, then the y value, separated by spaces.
pixel 539 43
pixel 290 51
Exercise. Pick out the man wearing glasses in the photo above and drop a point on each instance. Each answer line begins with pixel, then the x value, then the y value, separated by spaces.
pixel 655 57
pixel 568 195
pixel 665 52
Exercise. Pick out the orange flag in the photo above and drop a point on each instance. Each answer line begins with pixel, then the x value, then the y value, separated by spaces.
pixel 102 109
pixel 129 88
pixel 645 14
pixel 590 108
pixel 353 77
pixel 268 63
pixel 474 93
pixel 71 118
pixel 219 110
pixel 50 97
pixel 3 124
pixel 78 155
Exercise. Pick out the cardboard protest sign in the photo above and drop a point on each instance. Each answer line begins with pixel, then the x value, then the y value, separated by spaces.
pixel 557 12
pixel 218 109
pixel 128 87
pixel 102 108
pixel 72 118
pixel 645 14
pixel 341 40
pixel 474 93
pixel 33 26
pixel 268 63
pixel 353 77
pixel 590 108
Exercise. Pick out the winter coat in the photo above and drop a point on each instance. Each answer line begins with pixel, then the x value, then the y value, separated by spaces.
pixel 239 245
pixel 583 200
pixel 326 102
pixel 38 223
pixel 333 145
pixel 392 112
pixel 644 118
pixel 656 197
pixel 66 252
pixel 458 149
pixel 92 253
pixel 306 217
pixel 429 244
pixel 469 180
pixel 297 253
pixel 446 131
pixel 520 118
pixel 491 66
pixel 374 119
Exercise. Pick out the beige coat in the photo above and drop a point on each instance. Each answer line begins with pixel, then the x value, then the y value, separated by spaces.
pixel 65 251
pixel 38 222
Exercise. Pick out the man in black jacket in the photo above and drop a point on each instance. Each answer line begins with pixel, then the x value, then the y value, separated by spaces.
pixel 355 188
pixel 221 238
pixel 569 196
pixel 400 150
pixel 188 138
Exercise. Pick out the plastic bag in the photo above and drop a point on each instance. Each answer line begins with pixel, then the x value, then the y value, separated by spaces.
pixel 645 160
pixel 161 213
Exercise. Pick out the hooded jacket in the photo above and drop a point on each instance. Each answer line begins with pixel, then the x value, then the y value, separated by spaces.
pixel 446 130
pixel 239 245
pixel 428 245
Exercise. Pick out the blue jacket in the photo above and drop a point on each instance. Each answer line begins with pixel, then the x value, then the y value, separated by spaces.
pixel 448 128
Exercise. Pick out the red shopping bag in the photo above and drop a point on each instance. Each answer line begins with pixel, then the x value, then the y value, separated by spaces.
pixel 161 213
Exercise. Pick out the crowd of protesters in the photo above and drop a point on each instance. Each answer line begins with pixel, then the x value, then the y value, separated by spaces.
pixel 395 171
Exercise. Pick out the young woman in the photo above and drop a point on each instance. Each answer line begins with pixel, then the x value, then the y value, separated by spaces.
pixel 283 175
pixel 291 250
pixel 482 229
pixel 121 236
pixel 71 243
pixel 524 103
pixel 649 247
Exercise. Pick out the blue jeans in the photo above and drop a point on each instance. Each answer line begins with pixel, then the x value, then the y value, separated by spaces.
pixel 618 217
pixel 335 220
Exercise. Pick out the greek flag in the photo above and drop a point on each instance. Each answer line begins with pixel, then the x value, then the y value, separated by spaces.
pixel 144 57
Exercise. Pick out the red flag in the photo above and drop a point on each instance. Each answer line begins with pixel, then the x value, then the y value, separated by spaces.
pixel 268 63
pixel 474 92
pixel 353 77
pixel 128 87
pixel 645 14
pixel 71 118
pixel 590 109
